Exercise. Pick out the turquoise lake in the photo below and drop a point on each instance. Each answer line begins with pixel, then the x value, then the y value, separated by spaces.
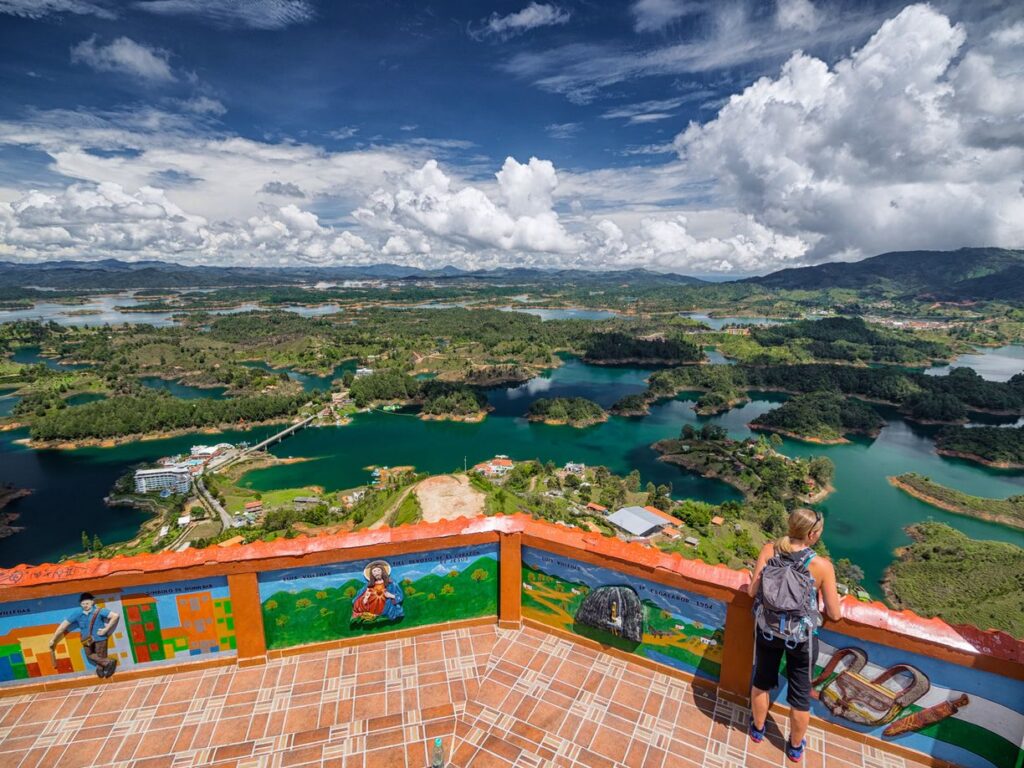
pixel 866 515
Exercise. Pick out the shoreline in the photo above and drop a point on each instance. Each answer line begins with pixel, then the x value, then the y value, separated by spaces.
pixel 979 459
pixel 13 494
pixel 796 436
pixel 735 402
pixel 7 528
pixel 632 414
pixel 1008 521
pixel 567 423
pixel 469 418
pixel 644 362
pixel 113 442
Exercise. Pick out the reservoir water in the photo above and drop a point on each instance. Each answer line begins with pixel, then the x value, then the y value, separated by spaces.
pixel 309 381
pixel 996 364
pixel 571 313
pixel 865 515
pixel 717 323
pixel 184 391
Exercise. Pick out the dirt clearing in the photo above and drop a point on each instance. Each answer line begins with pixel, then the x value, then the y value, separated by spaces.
pixel 447 496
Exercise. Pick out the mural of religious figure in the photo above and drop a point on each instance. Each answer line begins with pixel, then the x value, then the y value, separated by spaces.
pixel 381 598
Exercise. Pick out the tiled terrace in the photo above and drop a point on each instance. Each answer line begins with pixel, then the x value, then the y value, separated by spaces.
pixel 497 698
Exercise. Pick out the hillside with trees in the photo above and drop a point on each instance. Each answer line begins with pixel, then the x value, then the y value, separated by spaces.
pixel 928 398
pixel 965 581
pixel 851 339
pixel 155 413
pixel 948 274
pixel 621 348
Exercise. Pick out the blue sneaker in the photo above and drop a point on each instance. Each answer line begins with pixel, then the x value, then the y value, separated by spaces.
pixel 757 734
pixel 795 753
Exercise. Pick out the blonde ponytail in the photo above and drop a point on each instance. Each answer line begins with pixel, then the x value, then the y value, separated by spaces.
pixel 802 522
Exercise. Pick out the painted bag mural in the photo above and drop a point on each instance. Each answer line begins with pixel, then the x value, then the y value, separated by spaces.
pixel 115 629
pixel 682 629
pixel 338 600
pixel 868 701
pixel 963 716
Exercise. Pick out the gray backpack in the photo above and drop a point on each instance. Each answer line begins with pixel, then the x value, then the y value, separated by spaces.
pixel 786 605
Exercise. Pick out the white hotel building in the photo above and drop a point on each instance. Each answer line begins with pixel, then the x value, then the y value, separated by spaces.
pixel 171 478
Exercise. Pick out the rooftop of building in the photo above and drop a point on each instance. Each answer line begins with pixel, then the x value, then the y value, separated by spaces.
pixel 496 698
pixel 637 520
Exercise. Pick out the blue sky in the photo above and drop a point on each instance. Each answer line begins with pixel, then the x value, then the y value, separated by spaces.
pixel 726 137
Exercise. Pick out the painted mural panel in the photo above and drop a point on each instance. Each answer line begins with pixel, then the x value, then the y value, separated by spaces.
pixel 115 629
pixel 681 629
pixel 339 600
pixel 960 715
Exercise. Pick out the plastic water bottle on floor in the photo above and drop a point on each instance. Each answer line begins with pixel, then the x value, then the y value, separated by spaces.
pixel 437 756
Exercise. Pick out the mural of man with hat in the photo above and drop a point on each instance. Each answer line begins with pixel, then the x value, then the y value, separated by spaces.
pixel 381 599
pixel 94 624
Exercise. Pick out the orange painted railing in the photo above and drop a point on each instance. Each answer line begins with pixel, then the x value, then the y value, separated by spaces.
pixel 986 651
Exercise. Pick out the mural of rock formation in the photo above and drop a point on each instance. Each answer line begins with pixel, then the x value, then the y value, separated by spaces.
pixel 614 609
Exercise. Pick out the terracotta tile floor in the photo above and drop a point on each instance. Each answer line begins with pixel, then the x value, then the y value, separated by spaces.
pixel 496 698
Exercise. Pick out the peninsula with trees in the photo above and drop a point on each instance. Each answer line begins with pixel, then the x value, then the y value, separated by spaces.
pixel 752 466
pixel 1009 511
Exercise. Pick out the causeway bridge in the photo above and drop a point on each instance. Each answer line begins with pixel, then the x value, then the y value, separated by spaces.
pixel 277 437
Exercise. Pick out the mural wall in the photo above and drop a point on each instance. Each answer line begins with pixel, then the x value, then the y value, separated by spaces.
pixel 682 629
pixel 960 715
pixel 155 624
pixel 327 602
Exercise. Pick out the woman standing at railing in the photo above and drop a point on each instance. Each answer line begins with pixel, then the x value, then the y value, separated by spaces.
pixel 789 587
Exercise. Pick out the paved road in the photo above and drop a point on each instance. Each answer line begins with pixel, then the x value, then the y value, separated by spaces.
pixel 213 504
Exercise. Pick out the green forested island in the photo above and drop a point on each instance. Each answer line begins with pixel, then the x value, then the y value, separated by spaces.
pixel 574 411
pixel 1001 447
pixel 822 417
pixel 965 581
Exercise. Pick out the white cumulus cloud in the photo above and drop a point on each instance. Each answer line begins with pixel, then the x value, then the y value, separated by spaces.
pixel 107 220
pixel 895 147
pixel 125 56
pixel 427 207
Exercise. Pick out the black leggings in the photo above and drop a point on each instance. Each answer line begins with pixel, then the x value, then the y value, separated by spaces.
pixel 799 668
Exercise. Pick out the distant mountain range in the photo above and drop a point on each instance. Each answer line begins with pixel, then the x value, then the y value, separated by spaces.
pixel 965 274
pixel 113 274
